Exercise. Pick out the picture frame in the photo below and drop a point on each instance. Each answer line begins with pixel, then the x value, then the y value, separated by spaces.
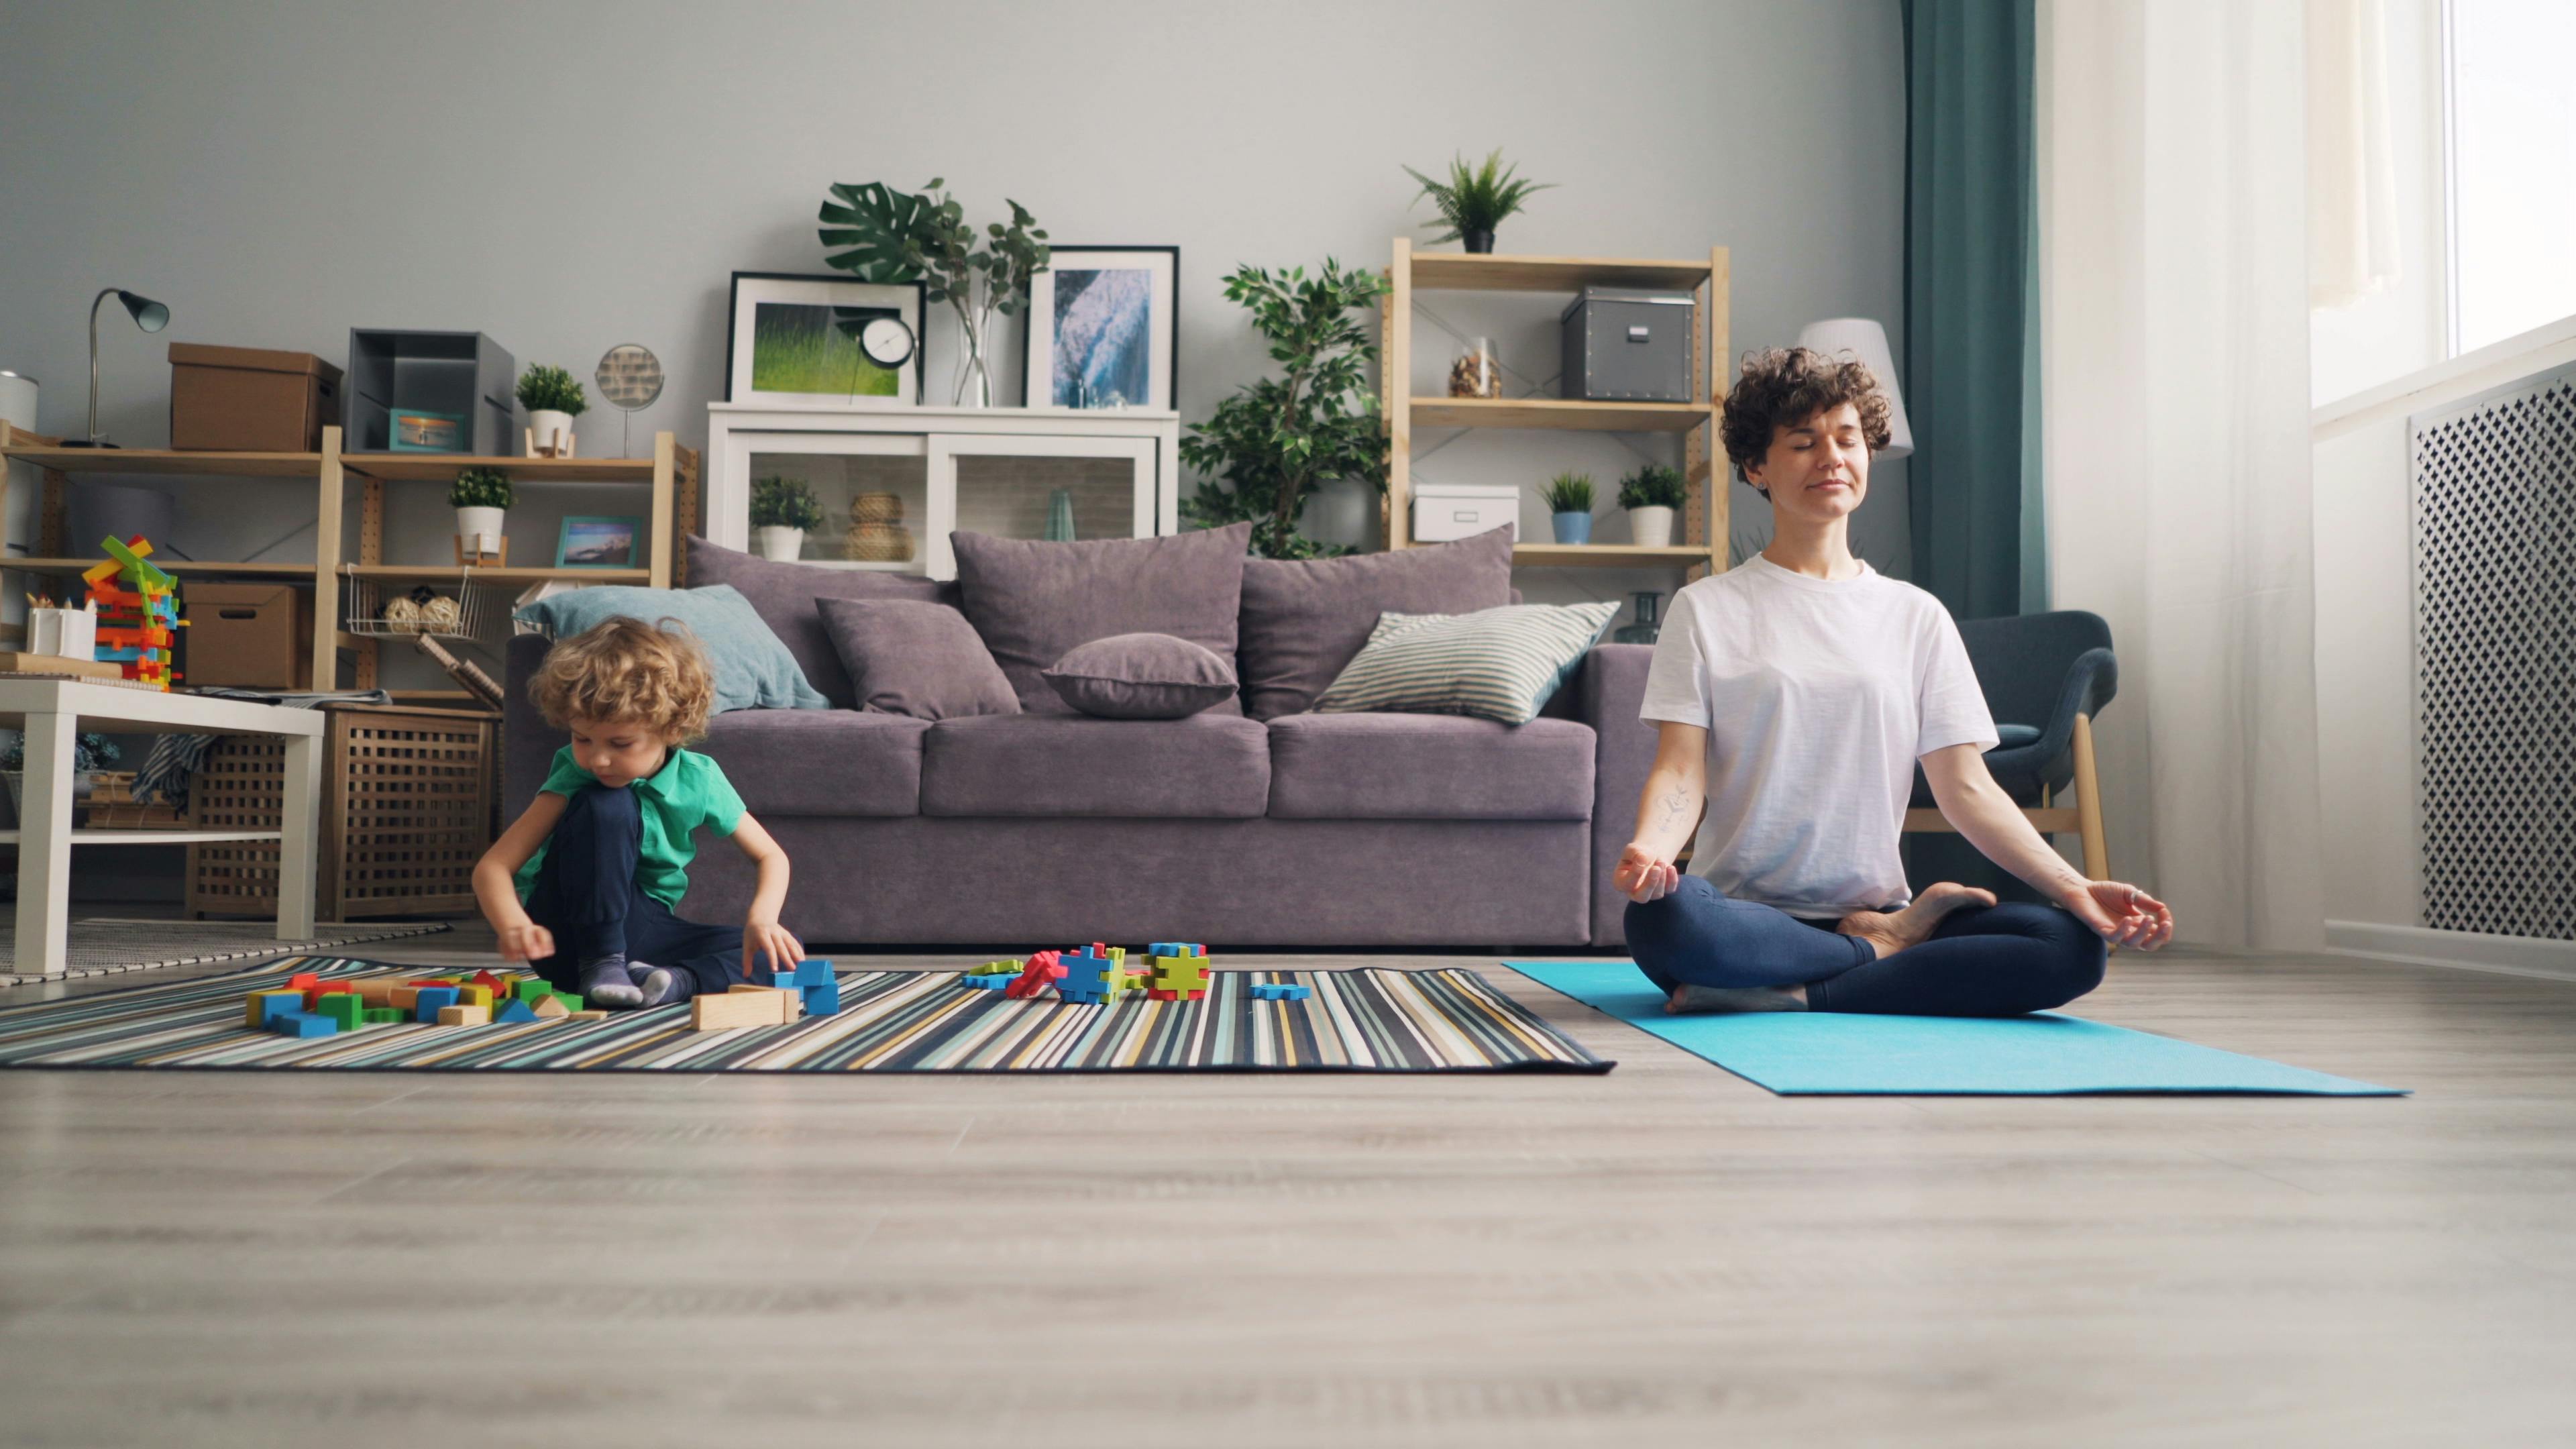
pixel 790 342
pixel 420 430
pixel 599 541
pixel 1102 335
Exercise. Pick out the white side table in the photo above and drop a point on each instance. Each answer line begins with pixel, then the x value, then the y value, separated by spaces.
pixel 54 712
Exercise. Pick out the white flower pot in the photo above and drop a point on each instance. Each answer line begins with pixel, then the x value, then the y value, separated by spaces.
pixel 478 530
pixel 1650 527
pixel 553 430
pixel 779 545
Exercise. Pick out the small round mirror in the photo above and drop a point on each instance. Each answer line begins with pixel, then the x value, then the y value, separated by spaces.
pixel 630 376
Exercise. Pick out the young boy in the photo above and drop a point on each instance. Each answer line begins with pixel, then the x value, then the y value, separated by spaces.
pixel 583 886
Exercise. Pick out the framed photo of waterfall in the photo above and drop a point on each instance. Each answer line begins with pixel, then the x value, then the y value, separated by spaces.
pixel 1104 328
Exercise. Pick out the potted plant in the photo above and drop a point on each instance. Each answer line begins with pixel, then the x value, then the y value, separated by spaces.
pixel 553 398
pixel 90 754
pixel 481 498
pixel 1569 503
pixel 1273 444
pixel 782 509
pixel 894 236
pixel 1650 495
pixel 1475 199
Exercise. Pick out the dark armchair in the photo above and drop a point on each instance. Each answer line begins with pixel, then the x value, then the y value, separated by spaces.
pixel 2045 677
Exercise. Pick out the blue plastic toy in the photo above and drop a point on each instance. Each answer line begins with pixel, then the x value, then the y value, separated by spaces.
pixel 301 1023
pixel 1280 991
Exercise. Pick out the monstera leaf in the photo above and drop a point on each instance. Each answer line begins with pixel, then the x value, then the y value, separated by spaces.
pixel 880 227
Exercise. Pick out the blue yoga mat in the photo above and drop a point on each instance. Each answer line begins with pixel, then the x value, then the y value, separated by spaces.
pixel 1797 1053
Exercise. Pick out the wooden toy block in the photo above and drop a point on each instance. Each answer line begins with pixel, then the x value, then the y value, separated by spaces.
pixel 823 998
pixel 313 994
pixel 783 1004
pixel 530 988
pixel 472 994
pixel 262 1005
pixel 570 1001
pixel 722 1011
pixel 589 1016
pixel 405 997
pixel 550 1009
pixel 301 980
pixel 1040 971
pixel 345 1010
pixel 386 1016
pixel 301 1024
pixel 465 1016
pixel 376 991
pixel 429 1001
pixel 516 1011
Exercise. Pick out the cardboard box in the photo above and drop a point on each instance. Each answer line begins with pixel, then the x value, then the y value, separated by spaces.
pixel 246 400
pixel 1444 512
pixel 251 636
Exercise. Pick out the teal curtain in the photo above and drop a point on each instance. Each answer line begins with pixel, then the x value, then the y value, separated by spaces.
pixel 1971 305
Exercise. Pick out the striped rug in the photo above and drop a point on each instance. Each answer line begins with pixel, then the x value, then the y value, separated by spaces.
pixel 890 1021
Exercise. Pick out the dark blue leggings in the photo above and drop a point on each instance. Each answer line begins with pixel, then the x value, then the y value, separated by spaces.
pixel 1981 960
pixel 585 895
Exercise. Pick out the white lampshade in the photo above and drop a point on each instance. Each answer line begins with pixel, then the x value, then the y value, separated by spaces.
pixel 1866 341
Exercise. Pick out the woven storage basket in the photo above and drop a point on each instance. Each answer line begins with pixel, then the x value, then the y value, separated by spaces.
pixel 407 808
pixel 877 508
pixel 877 543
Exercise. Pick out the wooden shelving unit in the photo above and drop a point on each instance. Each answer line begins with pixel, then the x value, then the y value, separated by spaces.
pixel 1703 522
pixel 671 474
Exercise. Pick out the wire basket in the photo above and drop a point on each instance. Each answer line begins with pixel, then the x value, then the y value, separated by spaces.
pixel 381 609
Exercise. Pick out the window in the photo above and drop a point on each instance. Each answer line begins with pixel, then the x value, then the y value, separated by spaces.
pixel 2511 103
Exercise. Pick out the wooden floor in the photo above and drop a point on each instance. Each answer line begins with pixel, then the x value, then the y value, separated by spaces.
pixel 1664 1255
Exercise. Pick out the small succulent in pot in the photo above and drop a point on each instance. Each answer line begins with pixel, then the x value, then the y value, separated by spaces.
pixel 1650 495
pixel 480 497
pixel 783 510
pixel 1568 497
pixel 1475 199
pixel 553 398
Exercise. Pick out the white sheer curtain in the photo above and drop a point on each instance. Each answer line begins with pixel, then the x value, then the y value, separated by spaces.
pixel 2174 334
pixel 2352 164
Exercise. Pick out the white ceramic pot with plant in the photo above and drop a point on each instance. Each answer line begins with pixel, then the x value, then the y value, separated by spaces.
pixel 783 509
pixel 481 498
pixel 1650 495
pixel 1569 506
pixel 553 398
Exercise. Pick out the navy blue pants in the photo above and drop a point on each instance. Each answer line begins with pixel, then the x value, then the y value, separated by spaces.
pixel 1999 960
pixel 586 896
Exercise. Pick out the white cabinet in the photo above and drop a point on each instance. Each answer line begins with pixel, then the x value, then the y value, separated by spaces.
pixel 1013 472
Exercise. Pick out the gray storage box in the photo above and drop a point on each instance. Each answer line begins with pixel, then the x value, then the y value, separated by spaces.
pixel 464 377
pixel 1628 344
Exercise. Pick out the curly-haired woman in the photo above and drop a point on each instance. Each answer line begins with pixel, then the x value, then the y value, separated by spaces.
pixel 1793 695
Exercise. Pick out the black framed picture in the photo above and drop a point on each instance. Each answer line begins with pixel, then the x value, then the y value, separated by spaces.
pixel 823 342
pixel 1104 328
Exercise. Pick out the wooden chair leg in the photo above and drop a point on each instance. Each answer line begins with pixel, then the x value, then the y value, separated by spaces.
pixel 2088 804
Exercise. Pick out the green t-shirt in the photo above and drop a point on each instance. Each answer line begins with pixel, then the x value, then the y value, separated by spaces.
pixel 689 790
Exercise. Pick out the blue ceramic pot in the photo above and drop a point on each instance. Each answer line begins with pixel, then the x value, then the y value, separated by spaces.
pixel 1573 527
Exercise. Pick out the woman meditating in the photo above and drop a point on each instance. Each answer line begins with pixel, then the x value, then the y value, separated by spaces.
pixel 1793 695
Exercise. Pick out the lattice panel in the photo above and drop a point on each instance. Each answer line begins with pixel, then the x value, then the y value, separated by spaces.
pixel 2495 636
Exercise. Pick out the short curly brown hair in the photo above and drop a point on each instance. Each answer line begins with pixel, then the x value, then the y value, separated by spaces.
pixel 1784 386
pixel 628 670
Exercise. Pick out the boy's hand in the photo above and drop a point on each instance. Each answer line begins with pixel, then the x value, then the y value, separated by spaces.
pixel 526 941
pixel 771 939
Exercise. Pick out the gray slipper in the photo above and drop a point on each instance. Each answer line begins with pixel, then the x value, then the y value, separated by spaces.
pixel 1694 1000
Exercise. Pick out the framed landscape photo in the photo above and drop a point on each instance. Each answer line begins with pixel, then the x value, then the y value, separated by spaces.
pixel 590 541
pixel 816 342
pixel 1104 328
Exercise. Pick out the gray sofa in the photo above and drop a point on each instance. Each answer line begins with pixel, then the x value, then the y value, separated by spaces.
pixel 1041 828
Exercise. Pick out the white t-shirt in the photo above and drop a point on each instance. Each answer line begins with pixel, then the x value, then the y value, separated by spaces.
pixel 1818 697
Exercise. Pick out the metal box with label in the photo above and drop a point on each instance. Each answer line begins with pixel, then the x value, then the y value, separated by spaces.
pixel 1627 344
pixel 1443 512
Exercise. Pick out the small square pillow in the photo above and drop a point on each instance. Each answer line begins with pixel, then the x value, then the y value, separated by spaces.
pixel 753 670
pixel 1141 676
pixel 912 658
pixel 1502 663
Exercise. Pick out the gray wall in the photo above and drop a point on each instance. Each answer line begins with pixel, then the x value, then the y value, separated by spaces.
pixel 569 176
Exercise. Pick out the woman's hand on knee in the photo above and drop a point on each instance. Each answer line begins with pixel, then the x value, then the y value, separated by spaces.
pixel 2121 914
pixel 1641 876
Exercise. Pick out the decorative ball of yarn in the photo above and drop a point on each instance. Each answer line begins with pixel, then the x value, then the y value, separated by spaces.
pixel 442 615
pixel 402 614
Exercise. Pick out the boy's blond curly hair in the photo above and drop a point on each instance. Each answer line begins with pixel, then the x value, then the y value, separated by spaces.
pixel 626 670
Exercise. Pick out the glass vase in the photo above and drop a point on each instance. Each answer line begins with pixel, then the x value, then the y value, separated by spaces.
pixel 1477 372
pixel 975 319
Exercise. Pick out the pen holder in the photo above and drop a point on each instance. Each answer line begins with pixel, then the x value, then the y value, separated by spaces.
pixel 63 633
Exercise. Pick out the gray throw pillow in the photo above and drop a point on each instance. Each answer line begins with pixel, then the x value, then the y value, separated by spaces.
pixel 1033 601
pixel 1303 622
pixel 1501 664
pixel 910 658
pixel 1141 676
pixel 752 669
pixel 784 595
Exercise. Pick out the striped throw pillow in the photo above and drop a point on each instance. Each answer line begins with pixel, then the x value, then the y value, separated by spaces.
pixel 1502 663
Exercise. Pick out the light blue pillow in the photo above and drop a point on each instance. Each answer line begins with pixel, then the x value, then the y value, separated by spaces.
pixel 753 669
pixel 1502 663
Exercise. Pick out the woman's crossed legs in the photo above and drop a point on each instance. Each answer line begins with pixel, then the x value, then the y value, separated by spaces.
pixel 1999 960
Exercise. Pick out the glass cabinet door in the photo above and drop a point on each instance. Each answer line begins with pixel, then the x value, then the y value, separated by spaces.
pixel 1037 488
pixel 874 488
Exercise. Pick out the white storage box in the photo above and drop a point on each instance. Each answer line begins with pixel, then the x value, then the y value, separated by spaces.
pixel 1446 511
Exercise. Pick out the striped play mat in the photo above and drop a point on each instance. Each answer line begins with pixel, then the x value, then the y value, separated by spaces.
pixel 890 1021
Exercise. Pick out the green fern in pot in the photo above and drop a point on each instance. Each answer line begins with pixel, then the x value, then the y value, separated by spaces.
pixel 1475 199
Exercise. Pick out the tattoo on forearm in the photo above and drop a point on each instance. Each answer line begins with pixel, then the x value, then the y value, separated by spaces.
pixel 1671 803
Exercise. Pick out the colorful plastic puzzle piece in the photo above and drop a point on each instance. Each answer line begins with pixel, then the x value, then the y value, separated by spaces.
pixel 1037 974
pixel 1180 972
pixel 987 981
pixel 1280 991
pixel 1093 976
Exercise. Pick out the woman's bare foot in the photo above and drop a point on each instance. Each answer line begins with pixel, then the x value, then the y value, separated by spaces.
pixel 1893 932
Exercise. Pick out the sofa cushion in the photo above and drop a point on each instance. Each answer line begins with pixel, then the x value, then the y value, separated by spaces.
pixel 1033 601
pixel 783 594
pixel 1304 622
pixel 820 761
pixel 1500 664
pixel 1428 767
pixel 1141 676
pixel 750 666
pixel 914 658
pixel 1208 766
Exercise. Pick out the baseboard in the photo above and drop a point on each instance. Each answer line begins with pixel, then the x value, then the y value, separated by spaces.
pixel 2467 950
